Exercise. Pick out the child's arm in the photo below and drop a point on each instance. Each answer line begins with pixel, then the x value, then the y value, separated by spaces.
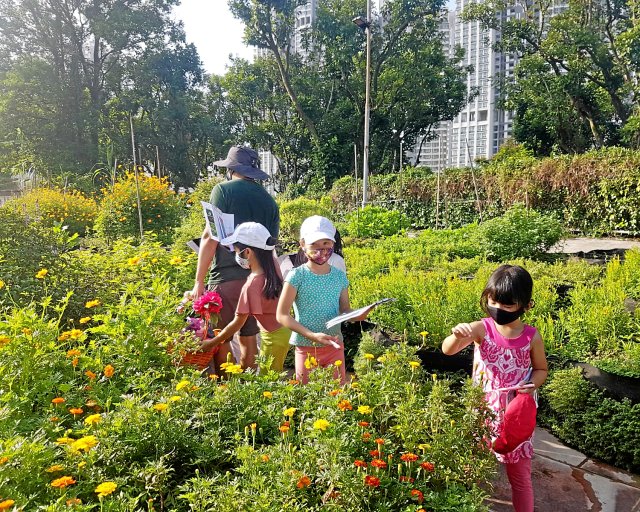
pixel 538 364
pixel 462 335
pixel 345 306
pixel 283 315
pixel 226 333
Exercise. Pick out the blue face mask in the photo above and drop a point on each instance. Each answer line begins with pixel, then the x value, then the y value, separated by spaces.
pixel 243 262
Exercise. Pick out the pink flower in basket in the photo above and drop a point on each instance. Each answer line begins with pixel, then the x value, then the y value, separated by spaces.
pixel 210 303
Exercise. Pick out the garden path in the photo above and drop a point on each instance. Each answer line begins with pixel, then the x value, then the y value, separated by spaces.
pixel 586 245
pixel 565 480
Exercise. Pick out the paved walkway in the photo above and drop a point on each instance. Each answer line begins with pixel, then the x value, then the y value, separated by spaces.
pixel 586 245
pixel 565 480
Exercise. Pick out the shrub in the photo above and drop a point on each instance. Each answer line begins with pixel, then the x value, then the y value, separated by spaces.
pixel 585 418
pixel 51 206
pixel 293 212
pixel 118 213
pixel 375 222
pixel 519 233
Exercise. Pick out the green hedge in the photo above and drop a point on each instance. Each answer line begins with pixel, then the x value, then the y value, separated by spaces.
pixel 596 192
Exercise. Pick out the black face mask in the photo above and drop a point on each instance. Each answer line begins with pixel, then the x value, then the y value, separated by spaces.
pixel 502 317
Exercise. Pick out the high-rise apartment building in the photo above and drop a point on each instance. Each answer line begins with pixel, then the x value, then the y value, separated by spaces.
pixel 305 16
pixel 481 127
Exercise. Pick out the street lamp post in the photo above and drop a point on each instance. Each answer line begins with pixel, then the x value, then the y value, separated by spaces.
pixel 366 26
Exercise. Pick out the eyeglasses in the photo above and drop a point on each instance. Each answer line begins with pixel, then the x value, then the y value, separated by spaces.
pixel 324 250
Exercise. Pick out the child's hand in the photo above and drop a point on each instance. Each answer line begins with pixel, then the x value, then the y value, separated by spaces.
pixel 208 343
pixel 462 331
pixel 326 339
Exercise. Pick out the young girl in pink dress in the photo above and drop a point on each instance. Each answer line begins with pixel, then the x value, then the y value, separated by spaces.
pixel 508 354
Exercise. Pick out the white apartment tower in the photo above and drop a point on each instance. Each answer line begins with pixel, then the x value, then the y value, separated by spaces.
pixel 305 16
pixel 481 127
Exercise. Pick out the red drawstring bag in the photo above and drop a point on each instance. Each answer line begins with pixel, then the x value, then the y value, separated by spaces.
pixel 518 423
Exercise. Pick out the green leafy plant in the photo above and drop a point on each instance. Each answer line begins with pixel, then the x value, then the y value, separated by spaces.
pixel 375 222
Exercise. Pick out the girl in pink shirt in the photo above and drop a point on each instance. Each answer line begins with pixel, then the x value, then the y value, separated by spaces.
pixel 509 355
pixel 254 246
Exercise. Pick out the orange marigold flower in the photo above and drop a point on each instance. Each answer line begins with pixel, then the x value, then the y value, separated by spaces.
pixel 53 419
pixel 371 481
pixel 334 392
pixel 374 453
pixel 265 458
pixel 76 410
pixel 58 400
pixel 109 371
pixel 74 352
pixel 73 502
pixel 3 460
pixel 284 428
pixel 294 382
pixel 360 463
pixel 378 463
pixel 304 481
pixel 415 493
pixel 345 405
pixel 90 374
pixel 55 468
pixel 427 466
pixel 363 424
pixel 6 504
pixel 366 437
pixel 62 482
pixel 379 440
pixel 408 457
pixel 404 478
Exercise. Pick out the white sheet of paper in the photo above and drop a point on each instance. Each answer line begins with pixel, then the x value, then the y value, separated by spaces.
pixel 222 223
pixel 355 313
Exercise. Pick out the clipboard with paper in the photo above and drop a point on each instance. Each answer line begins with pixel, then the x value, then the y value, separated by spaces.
pixel 219 224
pixel 356 313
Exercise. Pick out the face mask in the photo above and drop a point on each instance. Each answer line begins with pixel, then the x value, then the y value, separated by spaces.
pixel 502 317
pixel 243 262
pixel 319 257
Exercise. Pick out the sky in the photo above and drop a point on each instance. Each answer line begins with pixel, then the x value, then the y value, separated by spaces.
pixel 216 33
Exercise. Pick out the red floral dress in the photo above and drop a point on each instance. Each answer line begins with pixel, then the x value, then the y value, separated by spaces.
pixel 501 362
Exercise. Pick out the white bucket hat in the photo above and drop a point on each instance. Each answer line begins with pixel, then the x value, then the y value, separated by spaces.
pixel 251 234
pixel 317 228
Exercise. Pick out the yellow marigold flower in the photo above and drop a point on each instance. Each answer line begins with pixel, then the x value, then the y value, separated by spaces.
pixel 355 385
pixel 364 409
pixel 6 504
pixel 108 371
pixel 93 419
pixel 106 488
pixel 414 364
pixel 369 356
pixel 42 273
pixel 133 261
pixel 1 284
pixel 84 444
pixel 73 352
pixel 338 363
pixel 382 359
pixel 82 464
pixel 423 333
pixel 55 468
pixel 289 412
pixel 176 260
pixel 424 446
pixel 310 362
pixel 434 377
pixel 92 304
pixel 234 369
pixel 4 340
pixel 175 398
pixel 321 425
pixel 161 407
pixel 62 482
pixel 85 319
pixel 64 440
pixel 183 384
pixel 26 331
pixel 267 394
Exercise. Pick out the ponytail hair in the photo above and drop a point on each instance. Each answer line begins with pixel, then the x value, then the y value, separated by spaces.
pixel 273 280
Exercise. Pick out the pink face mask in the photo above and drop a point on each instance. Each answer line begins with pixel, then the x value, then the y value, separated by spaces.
pixel 319 256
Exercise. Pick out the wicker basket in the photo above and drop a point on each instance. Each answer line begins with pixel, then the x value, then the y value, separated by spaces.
pixel 202 358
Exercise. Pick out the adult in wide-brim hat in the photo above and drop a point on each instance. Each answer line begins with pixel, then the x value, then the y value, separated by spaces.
pixel 244 161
